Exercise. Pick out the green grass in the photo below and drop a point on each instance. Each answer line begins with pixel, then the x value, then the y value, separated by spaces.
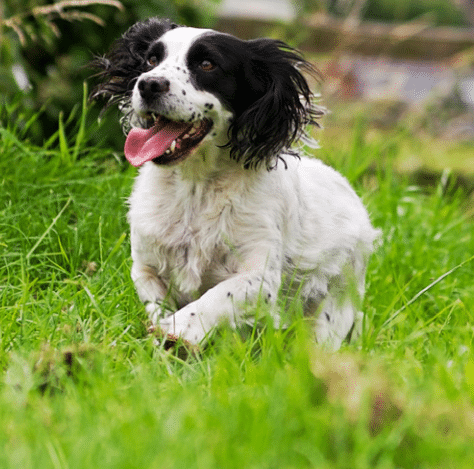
pixel 83 385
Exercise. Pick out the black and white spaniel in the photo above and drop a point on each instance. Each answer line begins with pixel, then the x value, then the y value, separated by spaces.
pixel 224 212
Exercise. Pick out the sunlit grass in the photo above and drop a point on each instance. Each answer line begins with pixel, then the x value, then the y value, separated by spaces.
pixel 83 385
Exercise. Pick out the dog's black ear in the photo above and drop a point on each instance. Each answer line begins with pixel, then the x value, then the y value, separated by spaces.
pixel 281 106
pixel 125 62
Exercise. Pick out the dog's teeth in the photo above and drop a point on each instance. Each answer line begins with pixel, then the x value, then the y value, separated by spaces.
pixel 173 146
pixel 192 131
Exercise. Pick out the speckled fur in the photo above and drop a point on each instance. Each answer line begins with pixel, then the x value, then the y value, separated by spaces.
pixel 210 238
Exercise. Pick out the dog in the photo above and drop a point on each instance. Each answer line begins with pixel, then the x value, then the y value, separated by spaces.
pixel 226 211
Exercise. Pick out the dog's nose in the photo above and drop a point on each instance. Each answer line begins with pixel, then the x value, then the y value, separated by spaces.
pixel 151 86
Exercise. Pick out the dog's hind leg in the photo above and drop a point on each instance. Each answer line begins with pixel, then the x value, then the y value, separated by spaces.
pixel 335 321
pixel 338 315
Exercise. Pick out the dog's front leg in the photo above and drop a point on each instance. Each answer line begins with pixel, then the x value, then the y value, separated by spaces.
pixel 222 303
pixel 151 290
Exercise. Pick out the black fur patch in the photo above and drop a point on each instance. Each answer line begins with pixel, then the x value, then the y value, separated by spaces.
pixel 119 69
pixel 261 82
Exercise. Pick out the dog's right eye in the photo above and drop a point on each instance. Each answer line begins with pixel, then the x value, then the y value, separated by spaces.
pixel 155 54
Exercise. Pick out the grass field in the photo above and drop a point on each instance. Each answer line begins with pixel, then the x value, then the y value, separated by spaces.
pixel 82 384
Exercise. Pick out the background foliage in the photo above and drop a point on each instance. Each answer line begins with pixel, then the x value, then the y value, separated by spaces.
pixel 437 12
pixel 56 49
pixel 55 60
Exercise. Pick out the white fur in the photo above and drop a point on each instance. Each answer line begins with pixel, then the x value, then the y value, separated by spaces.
pixel 210 238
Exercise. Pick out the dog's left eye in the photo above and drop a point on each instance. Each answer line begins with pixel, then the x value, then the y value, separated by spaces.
pixel 207 65
pixel 153 61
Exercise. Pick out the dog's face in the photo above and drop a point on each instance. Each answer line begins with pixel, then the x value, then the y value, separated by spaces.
pixel 183 87
pixel 185 98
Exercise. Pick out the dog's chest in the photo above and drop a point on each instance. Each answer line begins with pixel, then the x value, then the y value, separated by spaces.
pixel 187 235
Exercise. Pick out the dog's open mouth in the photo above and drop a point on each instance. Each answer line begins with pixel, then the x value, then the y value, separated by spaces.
pixel 164 141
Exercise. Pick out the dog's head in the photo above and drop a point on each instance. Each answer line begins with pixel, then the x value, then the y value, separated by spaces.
pixel 180 87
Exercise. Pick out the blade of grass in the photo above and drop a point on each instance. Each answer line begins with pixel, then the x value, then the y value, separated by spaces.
pixel 116 247
pixel 424 290
pixel 34 118
pixel 55 219
pixel 63 145
pixel 9 137
pixel 81 132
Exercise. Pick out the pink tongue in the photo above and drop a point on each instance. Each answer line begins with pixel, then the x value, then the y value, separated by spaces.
pixel 143 145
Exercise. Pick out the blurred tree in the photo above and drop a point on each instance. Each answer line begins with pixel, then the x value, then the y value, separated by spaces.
pixel 440 12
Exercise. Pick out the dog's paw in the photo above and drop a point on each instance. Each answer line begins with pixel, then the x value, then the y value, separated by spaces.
pixel 157 311
pixel 154 312
pixel 181 347
pixel 357 327
pixel 186 324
